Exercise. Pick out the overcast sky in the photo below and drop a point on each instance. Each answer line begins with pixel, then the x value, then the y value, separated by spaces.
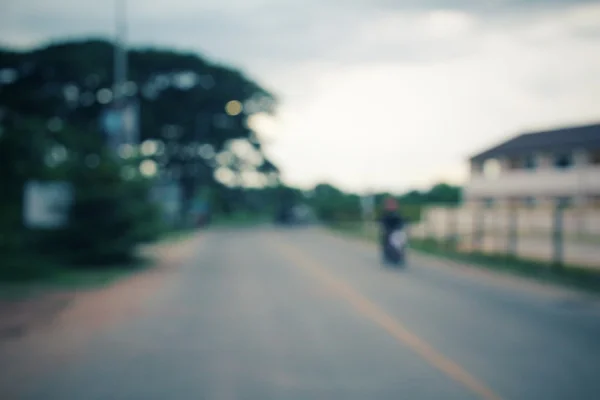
pixel 389 94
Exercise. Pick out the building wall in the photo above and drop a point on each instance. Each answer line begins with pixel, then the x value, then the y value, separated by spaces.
pixel 576 221
pixel 543 184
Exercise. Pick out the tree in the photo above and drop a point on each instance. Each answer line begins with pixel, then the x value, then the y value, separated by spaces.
pixel 110 218
pixel 21 156
pixel 193 108
pixel 332 204
pixel 444 193
pixel 110 215
pixel 53 96
pixel 412 197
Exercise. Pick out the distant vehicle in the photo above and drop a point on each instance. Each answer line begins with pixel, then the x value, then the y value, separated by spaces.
pixel 283 216
pixel 295 215
pixel 302 214
pixel 203 220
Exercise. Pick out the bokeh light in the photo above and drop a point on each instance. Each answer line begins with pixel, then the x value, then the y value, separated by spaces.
pixel 233 108
pixel 104 96
pixel 149 148
pixel 148 168
pixel 126 151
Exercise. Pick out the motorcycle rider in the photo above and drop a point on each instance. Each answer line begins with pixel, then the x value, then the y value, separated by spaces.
pixel 390 220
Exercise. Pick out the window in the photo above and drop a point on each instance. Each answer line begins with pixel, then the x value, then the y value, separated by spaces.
pixel 492 168
pixel 595 157
pixel 488 202
pixel 530 162
pixel 530 201
pixel 514 163
pixel 594 201
pixel 476 168
pixel 563 161
pixel 564 201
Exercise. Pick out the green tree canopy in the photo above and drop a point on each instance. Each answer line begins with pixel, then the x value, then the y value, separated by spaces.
pixel 183 101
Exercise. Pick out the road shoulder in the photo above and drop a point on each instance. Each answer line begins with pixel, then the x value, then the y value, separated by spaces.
pixel 50 327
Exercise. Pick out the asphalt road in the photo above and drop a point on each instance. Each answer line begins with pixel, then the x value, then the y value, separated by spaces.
pixel 301 314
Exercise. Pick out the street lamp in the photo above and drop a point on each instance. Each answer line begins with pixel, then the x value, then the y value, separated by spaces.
pixel 124 111
pixel 120 55
pixel 115 116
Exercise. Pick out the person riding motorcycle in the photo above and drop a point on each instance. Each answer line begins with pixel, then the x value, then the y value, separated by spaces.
pixel 391 220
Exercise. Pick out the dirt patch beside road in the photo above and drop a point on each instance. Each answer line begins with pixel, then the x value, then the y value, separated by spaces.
pixel 49 328
pixel 19 317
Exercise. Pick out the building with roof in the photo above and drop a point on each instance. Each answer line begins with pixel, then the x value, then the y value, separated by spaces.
pixel 561 165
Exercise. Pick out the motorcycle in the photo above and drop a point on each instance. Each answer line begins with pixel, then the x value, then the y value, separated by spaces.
pixel 394 251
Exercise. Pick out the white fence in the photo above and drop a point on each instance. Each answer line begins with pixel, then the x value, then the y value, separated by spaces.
pixel 571 236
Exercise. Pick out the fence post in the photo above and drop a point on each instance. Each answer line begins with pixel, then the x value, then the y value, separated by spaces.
pixel 557 236
pixel 477 229
pixel 425 224
pixel 428 222
pixel 451 221
pixel 513 229
pixel 582 226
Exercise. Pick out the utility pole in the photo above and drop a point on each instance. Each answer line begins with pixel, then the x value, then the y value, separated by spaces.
pixel 120 57
pixel 368 201
pixel 120 65
pixel 580 165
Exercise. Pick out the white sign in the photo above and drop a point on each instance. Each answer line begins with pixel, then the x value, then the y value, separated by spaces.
pixel 46 204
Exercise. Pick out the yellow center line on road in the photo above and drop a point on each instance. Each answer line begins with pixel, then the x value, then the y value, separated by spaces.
pixel 392 326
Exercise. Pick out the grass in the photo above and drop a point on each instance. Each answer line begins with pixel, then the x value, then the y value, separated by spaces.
pixel 49 276
pixel 23 275
pixel 177 235
pixel 573 276
pixel 572 238
pixel 98 276
pixel 239 220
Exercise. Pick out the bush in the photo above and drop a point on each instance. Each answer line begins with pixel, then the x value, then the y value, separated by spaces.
pixel 25 267
pixel 109 218
pixel 110 215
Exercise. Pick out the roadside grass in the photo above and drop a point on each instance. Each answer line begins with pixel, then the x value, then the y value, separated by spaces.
pixel 239 220
pixel 35 275
pixel 572 238
pixel 177 235
pixel 24 275
pixel 573 276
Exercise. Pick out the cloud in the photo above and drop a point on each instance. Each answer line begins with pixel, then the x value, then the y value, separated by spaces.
pixel 415 37
pixel 401 124
pixel 476 6
pixel 237 29
pixel 281 33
